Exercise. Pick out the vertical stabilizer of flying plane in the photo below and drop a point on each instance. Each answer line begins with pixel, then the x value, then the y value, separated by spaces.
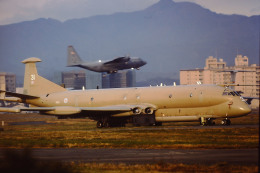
pixel 34 84
pixel 73 57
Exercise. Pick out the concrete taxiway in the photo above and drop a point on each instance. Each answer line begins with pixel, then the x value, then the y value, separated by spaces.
pixel 147 156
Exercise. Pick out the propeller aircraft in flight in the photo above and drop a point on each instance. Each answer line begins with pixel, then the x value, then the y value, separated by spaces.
pixel 109 66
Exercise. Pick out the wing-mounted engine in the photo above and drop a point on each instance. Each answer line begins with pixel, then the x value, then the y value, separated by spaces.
pixel 137 111
pixel 144 109
pixel 149 110
pixel 144 115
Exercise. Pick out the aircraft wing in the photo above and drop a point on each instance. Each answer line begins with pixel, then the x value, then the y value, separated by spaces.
pixel 250 99
pixel 68 110
pixel 20 109
pixel 118 60
pixel 116 108
pixel 227 85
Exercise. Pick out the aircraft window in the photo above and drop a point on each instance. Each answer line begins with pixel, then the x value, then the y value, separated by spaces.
pixel 170 96
pixel 230 92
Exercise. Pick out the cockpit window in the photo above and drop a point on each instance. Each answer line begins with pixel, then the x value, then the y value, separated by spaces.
pixel 230 92
pixel 237 93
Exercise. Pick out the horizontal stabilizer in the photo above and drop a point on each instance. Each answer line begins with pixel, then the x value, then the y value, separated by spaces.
pixel 22 96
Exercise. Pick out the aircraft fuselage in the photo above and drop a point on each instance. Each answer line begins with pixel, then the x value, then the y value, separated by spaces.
pixel 133 62
pixel 171 103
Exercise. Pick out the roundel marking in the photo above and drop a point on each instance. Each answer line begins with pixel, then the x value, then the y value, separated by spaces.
pixel 66 100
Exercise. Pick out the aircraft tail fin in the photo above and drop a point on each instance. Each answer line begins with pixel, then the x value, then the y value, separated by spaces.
pixel 73 57
pixel 34 84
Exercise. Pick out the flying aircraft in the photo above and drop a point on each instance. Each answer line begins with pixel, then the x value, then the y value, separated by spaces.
pixel 116 107
pixel 109 66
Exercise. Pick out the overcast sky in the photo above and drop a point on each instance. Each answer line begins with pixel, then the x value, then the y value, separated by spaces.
pixel 13 11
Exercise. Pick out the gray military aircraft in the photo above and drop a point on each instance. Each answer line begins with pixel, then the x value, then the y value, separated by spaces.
pixel 118 106
pixel 109 66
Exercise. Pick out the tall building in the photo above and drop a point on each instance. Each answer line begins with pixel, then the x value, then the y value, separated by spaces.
pixel 131 78
pixel 248 76
pixel 74 79
pixel 8 80
pixel 121 79
pixel 105 80
pixel 216 72
pixel 93 80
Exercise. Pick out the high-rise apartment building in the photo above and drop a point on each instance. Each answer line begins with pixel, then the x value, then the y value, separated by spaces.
pixel 93 80
pixel 121 79
pixel 74 79
pixel 216 72
pixel 8 80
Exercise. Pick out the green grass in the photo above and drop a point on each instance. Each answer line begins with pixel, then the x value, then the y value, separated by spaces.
pixel 82 133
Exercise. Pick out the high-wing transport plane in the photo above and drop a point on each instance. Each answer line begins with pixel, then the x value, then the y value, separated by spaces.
pixel 109 66
pixel 116 107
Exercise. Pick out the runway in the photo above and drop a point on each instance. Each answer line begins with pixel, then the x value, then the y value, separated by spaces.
pixel 156 128
pixel 132 128
pixel 147 156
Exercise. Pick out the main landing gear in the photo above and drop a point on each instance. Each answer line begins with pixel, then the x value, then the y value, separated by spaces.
pixel 110 123
pixel 206 121
pixel 226 122
pixel 99 124
pixel 209 121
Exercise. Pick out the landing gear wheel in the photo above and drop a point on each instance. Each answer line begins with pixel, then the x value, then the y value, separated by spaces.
pixel 226 122
pixel 210 122
pixel 106 124
pixel 99 124
pixel 204 124
pixel 206 121
pixel 158 123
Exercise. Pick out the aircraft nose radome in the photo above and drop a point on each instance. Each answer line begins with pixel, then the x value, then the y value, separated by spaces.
pixel 246 109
